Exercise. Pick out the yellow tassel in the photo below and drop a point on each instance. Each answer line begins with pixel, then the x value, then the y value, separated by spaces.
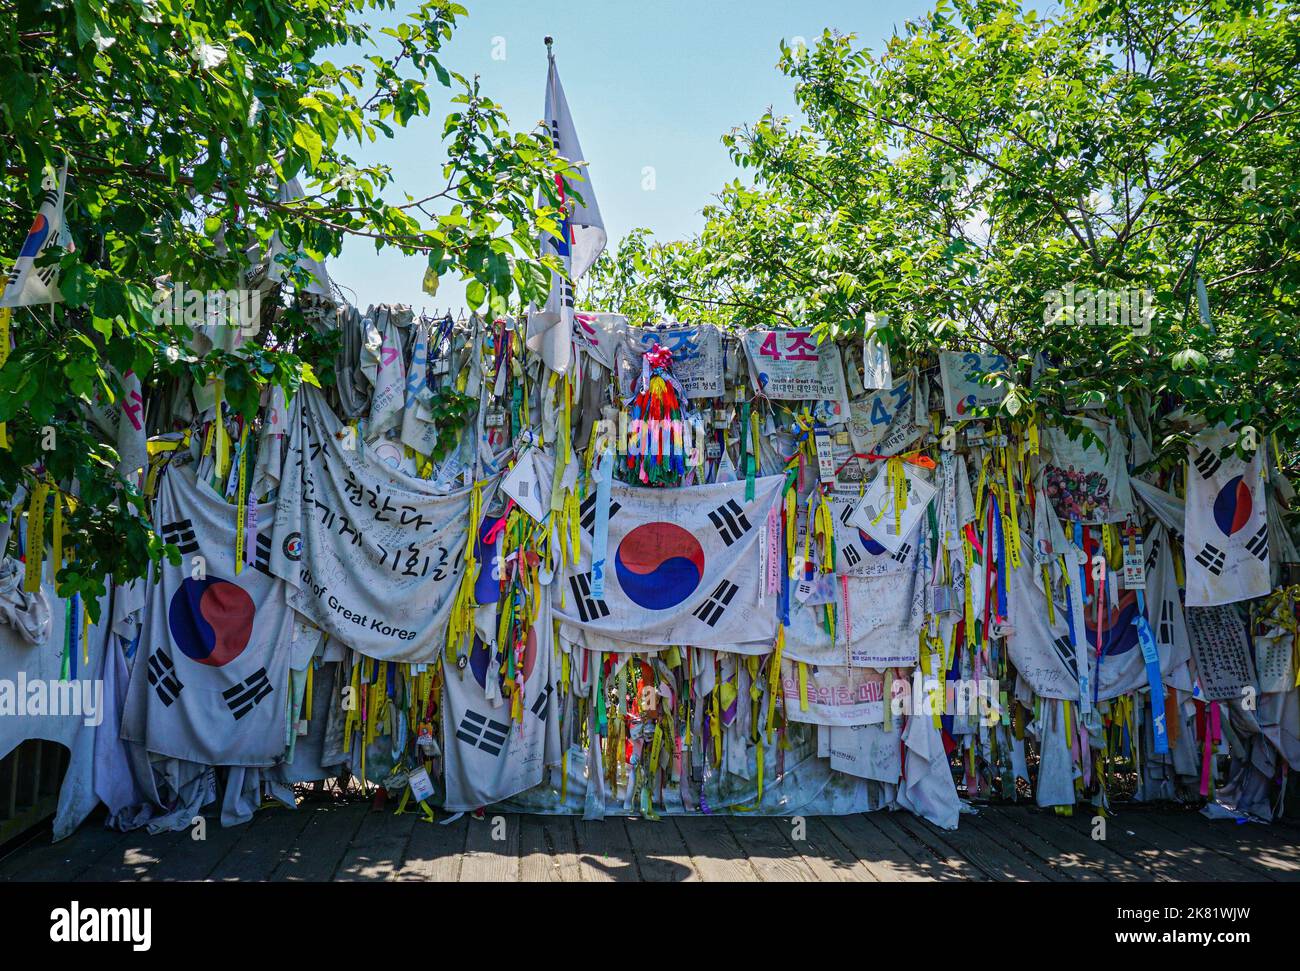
pixel 774 679
pixel 222 440
pixel 311 670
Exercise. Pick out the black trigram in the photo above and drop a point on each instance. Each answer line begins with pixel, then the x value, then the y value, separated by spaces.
pixel 1153 553
pixel 1065 651
pixel 262 554
pixel 1258 544
pixel 1207 463
pixel 181 533
pixel 711 610
pixel 730 522
pixel 589 608
pixel 851 556
pixel 588 510
pixel 1212 558
pixel 482 732
pixel 846 514
pixel 903 553
pixel 1165 628
pixel 162 675
pixel 543 702
pixel 245 696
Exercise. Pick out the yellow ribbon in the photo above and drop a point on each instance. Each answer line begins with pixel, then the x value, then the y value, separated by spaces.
pixel 241 501
pixel 35 538
pixel 5 314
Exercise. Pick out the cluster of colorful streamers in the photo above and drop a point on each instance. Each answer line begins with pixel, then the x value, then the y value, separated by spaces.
pixel 656 412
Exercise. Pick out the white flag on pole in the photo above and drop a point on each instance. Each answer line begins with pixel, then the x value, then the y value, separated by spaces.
pixel 582 238
pixel 27 283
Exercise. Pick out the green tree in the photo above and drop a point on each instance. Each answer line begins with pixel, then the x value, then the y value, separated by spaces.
pixel 987 159
pixel 179 121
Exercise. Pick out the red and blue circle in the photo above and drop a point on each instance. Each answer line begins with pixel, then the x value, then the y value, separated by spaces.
pixel 211 620
pixel 1119 631
pixel 36 237
pixel 659 565
pixel 481 660
pixel 869 544
pixel 1233 506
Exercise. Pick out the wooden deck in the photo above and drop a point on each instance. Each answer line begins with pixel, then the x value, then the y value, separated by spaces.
pixel 347 841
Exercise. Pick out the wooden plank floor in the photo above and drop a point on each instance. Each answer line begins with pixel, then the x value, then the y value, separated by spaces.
pixel 345 840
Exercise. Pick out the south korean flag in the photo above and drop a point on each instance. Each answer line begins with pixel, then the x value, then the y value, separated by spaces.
pixel 211 682
pixel 857 554
pixel 1225 543
pixel 491 754
pixel 580 240
pixel 683 568
pixel 27 283
pixel 893 529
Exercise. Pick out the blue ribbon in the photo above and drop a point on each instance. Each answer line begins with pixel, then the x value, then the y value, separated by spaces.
pixel 600 531
pixel 1151 656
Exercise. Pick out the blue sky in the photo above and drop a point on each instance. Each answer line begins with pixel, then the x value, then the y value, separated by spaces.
pixel 652 85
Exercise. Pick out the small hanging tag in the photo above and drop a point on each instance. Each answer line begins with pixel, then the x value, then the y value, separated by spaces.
pixel 825 456
pixel 427 744
pixel 1135 567
pixel 522 485
pixel 421 785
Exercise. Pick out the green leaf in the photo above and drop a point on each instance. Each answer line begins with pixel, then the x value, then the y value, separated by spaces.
pixel 77 284
pixel 309 141
pixel 1189 359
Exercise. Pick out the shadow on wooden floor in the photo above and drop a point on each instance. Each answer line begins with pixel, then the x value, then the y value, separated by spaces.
pixel 347 841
